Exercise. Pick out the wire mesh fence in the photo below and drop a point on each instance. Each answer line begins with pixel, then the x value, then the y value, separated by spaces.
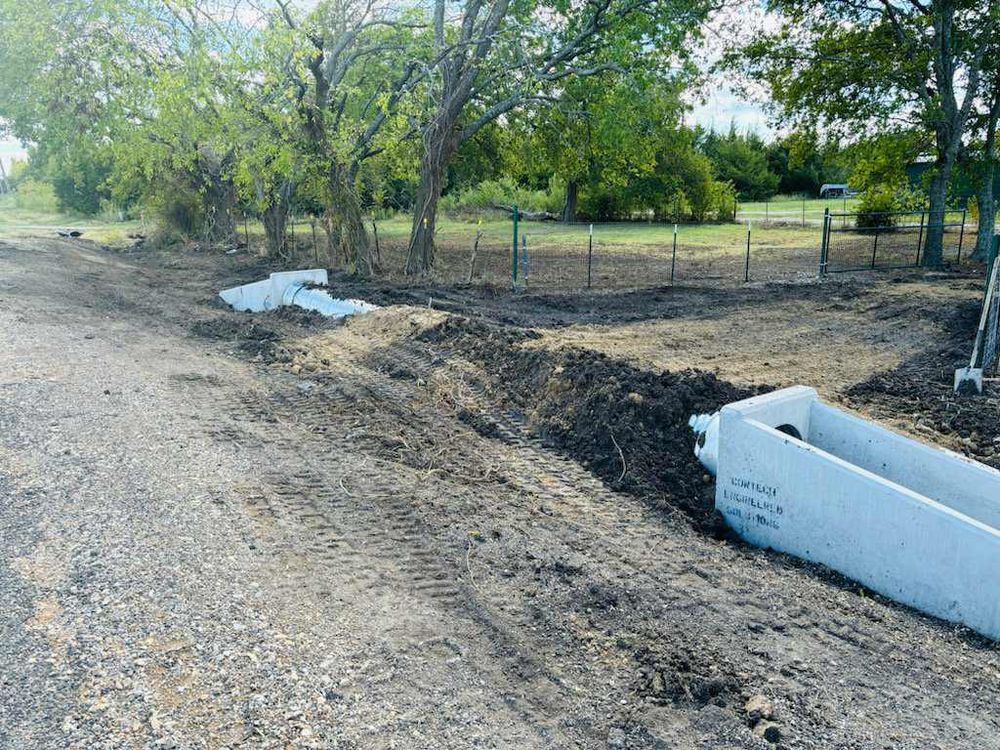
pixel 560 256
pixel 886 240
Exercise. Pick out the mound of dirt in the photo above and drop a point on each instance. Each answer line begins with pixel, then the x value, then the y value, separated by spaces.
pixel 921 391
pixel 251 337
pixel 628 426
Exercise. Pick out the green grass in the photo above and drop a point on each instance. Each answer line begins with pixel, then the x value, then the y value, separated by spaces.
pixel 790 209
pixel 627 236
pixel 33 211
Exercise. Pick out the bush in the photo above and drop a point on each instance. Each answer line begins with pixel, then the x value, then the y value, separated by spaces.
pixel 34 195
pixel 879 206
pixel 490 194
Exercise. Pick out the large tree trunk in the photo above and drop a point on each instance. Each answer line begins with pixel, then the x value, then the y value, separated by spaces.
pixel 986 204
pixel 219 201
pixel 278 206
pixel 218 196
pixel 347 229
pixel 275 220
pixel 440 145
pixel 933 255
pixel 986 200
pixel 572 194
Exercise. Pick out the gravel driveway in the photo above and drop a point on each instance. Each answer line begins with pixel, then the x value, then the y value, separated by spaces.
pixel 204 549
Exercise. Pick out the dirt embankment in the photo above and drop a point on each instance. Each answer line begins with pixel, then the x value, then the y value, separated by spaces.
pixel 919 393
pixel 628 426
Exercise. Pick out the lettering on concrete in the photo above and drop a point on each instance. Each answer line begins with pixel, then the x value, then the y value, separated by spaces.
pixel 753 501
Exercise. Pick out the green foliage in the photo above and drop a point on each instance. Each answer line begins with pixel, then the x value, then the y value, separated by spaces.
pixel 741 160
pixel 880 204
pixel 35 195
pixel 491 195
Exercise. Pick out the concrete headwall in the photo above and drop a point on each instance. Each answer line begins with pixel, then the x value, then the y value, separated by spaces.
pixel 914 523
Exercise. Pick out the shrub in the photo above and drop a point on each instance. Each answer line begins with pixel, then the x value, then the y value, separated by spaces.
pixel 491 194
pixel 879 206
pixel 35 195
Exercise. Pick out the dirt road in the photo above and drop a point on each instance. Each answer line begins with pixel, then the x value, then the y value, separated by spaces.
pixel 220 533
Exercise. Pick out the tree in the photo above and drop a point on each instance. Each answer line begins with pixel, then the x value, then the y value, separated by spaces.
pixel 741 159
pixel 863 66
pixel 986 124
pixel 495 56
pixel 50 93
pixel 352 64
pixel 601 136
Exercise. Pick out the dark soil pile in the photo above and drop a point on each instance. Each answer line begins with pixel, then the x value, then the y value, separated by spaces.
pixel 249 336
pixel 921 390
pixel 628 426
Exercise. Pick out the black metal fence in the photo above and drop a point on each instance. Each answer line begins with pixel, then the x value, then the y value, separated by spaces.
pixel 887 240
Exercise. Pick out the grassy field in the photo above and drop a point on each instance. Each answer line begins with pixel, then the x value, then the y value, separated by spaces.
pixel 791 209
pixel 624 254
pixel 631 236
pixel 35 213
pixel 559 255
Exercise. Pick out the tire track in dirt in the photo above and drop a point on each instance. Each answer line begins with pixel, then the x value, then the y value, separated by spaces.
pixel 617 536
pixel 362 535
pixel 834 629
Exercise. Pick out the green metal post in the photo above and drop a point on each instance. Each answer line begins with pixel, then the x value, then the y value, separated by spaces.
pixel 824 246
pixel 961 238
pixel 513 256
pixel 590 258
pixel 920 238
pixel 746 268
pixel 673 257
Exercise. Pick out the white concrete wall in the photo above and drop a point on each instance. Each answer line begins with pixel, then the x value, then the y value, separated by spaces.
pixel 785 494
pixel 954 480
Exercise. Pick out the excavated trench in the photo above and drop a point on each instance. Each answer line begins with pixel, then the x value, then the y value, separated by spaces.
pixel 628 426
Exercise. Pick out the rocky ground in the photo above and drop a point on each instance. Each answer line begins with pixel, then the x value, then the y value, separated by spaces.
pixel 423 530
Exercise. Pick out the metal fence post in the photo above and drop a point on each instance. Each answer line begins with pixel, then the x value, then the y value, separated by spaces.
pixel 312 226
pixel 673 257
pixel 875 248
pixel 920 238
pixel 590 258
pixel 824 244
pixel 804 210
pixel 961 238
pixel 746 267
pixel 513 255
